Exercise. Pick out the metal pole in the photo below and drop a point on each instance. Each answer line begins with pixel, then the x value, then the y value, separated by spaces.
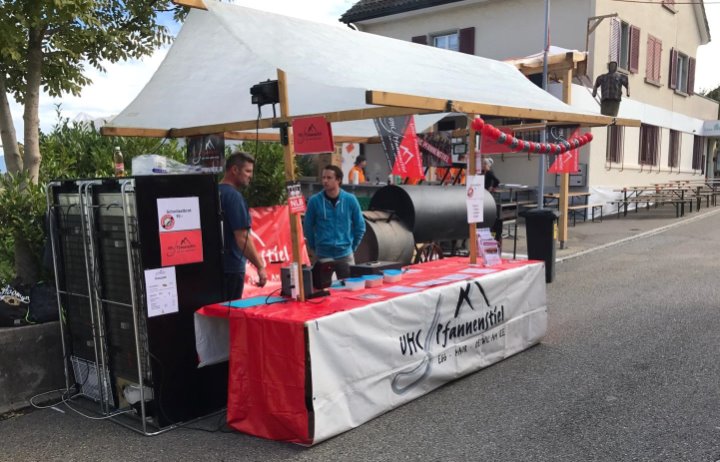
pixel 543 135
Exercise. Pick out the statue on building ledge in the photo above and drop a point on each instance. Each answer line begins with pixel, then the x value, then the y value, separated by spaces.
pixel 611 90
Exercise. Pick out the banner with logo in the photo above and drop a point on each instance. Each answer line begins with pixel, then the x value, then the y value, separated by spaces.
pixel 271 235
pixel 436 148
pixel 404 347
pixel 392 131
pixel 567 162
pixel 408 162
pixel 206 152
pixel 312 135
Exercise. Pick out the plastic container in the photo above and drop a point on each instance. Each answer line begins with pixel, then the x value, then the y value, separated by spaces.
pixel 391 276
pixel 373 280
pixel 355 283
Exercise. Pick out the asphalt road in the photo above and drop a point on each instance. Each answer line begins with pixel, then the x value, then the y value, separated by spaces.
pixel 628 371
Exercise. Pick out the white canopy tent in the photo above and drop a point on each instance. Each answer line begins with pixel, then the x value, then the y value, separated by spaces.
pixel 203 84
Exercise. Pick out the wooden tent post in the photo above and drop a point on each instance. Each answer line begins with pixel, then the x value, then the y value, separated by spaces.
pixel 289 158
pixel 472 170
pixel 565 177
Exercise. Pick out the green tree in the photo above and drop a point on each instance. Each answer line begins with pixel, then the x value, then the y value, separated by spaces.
pixel 48 44
pixel 69 151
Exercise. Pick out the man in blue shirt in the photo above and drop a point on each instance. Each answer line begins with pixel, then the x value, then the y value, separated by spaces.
pixel 239 246
pixel 334 225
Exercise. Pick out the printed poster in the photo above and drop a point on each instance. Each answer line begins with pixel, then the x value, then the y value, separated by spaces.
pixel 475 187
pixel 180 233
pixel 161 291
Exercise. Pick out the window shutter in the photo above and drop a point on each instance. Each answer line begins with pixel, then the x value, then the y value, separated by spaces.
pixel 691 76
pixel 672 81
pixel 658 60
pixel 614 54
pixel 634 49
pixel 421 39
pixel 467 40
pixel 650 59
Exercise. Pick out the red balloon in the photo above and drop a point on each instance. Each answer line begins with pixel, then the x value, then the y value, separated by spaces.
pixel 589 136
pixel 478 124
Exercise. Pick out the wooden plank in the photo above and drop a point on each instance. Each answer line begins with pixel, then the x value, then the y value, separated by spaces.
pixel 199 4
pixel 435 104
pixel 339 116
pixel 289 157
pixel 138 132
pixel 250 136
pixel 472 145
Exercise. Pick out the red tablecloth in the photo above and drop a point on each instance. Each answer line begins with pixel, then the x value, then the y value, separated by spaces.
pixel 270 393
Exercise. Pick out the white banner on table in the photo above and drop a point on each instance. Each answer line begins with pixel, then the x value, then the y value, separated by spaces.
pixel 373 359
pixel 475 188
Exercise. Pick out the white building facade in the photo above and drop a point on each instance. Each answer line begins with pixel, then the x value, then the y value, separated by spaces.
pixel 655 45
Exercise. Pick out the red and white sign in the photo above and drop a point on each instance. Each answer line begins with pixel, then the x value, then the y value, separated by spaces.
pixel 180 233
pixel 567 162
pixel 271 235
pixel 312 135
pixel 408 162
pixel 296 201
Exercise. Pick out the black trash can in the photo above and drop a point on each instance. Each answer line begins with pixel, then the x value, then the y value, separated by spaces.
pixel 541 231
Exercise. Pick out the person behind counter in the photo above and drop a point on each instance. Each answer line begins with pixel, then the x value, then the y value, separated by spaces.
pixel 491 181
pixel 239 245
pixel 357 173
pixel 334 224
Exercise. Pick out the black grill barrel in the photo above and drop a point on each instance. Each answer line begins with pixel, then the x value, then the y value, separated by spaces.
pixel 432 213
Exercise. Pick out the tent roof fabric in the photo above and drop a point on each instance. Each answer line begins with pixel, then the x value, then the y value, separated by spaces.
pixel 221 53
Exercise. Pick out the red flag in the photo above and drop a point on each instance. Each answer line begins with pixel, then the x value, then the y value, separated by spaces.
pixel 566 162
pixel 408 162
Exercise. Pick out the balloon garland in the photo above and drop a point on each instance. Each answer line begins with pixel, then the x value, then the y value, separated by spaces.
pixel 516 144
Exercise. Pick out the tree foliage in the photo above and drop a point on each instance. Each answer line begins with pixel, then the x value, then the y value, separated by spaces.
pixel 69 151
pixel 48 44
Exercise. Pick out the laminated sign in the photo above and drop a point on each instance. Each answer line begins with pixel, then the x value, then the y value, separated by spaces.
pixel 296 201
pixel 180 233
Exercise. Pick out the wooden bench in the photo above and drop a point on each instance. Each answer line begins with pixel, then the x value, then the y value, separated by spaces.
pixel 575 209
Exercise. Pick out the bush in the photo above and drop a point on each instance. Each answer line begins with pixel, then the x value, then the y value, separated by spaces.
pixel 68 152
pixel 267 187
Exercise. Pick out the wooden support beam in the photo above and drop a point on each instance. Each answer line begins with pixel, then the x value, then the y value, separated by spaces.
pixel 565 177
pixel 339 116
pixel 441 105
pixel 275 137
pixel 472 170
pixel 198 4
pixel 289 157
pixel 137 132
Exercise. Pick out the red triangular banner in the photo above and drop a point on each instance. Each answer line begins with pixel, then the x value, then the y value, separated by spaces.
pixel 567 162
pixel 408 162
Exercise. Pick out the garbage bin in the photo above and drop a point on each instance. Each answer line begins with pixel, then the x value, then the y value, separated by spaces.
pixel 541 231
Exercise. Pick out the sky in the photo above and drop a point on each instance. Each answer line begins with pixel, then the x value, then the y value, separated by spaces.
pixel 114 90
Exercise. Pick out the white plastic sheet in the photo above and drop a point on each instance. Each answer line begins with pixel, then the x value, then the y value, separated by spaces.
pixel 219 54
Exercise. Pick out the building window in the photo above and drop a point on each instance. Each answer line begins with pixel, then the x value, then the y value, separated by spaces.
pixel 615 143
pixel 624 45
pixel 649 144
pixel 447 41
pixel 682 72
pixel 674 153
pixel 698 160
pixel 654 56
